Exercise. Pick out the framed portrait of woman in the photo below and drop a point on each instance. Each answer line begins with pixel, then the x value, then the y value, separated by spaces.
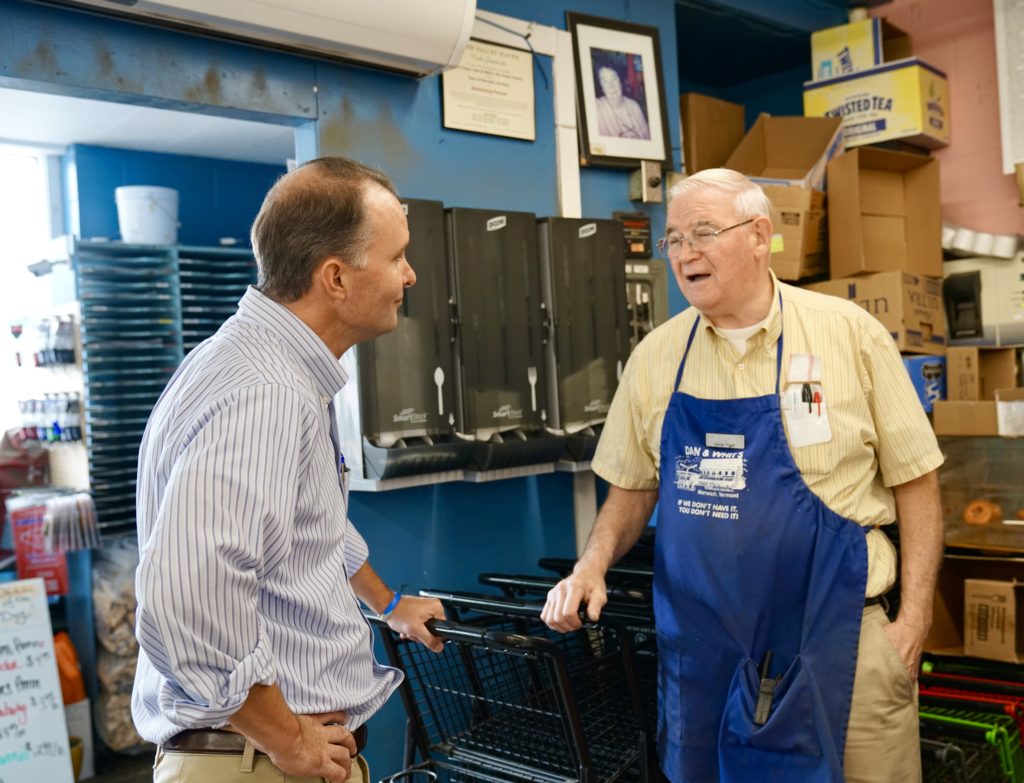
pixel 620 101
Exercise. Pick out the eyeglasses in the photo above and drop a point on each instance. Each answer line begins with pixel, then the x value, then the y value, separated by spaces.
pixel 671 245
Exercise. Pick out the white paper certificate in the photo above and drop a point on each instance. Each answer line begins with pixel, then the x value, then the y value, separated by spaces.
pixel 491 91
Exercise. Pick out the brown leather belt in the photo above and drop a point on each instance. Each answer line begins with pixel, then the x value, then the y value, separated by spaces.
pixel 875 600
pixel 220 741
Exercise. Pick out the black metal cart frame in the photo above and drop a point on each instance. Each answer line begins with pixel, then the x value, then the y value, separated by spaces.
pixel 510 696
pixel 631 606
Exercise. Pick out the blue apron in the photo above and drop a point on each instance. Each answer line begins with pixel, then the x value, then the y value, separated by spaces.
pixel 749 560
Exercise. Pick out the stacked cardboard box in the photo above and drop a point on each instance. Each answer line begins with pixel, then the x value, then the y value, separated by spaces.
pixel 884 217
pixel 789 157
pixel 863 73
pixel 856 47
pixel 983 394
pixel 885 253
pixel 711 129
pixel 993 621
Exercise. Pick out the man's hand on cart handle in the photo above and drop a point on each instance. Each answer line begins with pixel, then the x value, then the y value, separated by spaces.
pixel 410 617
pixel 562 611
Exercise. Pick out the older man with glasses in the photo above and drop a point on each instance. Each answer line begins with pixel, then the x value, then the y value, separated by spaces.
pixel 776 429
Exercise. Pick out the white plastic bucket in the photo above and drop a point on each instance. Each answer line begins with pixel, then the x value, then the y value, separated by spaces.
pixel 147 214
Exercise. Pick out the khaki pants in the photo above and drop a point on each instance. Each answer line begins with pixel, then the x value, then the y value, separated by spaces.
pixel 231 768
pixel 882 740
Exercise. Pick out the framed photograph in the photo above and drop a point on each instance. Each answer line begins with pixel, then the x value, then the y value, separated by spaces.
pixel 620 101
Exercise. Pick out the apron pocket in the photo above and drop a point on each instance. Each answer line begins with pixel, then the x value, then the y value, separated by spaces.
pixel 790 728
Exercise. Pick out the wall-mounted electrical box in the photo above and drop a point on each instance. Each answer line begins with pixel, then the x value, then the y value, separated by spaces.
pixel 646 298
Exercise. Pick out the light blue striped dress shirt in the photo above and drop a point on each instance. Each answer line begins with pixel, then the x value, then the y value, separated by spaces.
pixel 246 547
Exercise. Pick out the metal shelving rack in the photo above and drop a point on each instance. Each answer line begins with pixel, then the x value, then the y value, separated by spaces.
pixel 131 345
pixel 143 307
pixel 212 280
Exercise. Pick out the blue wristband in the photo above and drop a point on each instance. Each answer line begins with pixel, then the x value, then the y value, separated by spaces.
pixel 391 606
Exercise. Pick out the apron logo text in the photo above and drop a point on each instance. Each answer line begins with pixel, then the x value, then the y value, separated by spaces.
pixel 700 508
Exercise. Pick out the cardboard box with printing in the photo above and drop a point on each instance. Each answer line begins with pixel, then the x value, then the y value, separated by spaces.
pixel 906 100
pixel 928 374
pixel 909 305
pixel 712 128
pixel 884 213
pixel 857 46
pixel 799 242
pixel 993 626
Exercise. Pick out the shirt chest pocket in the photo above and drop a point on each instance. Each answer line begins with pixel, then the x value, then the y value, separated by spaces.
pixel 844 448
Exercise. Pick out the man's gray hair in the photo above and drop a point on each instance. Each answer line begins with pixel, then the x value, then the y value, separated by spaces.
pixel 748 199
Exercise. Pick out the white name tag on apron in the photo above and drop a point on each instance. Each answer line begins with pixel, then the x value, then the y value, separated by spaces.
pixel 718 440
pixel 803 402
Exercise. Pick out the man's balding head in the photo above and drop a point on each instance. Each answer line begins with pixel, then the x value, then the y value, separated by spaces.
pixel 309 215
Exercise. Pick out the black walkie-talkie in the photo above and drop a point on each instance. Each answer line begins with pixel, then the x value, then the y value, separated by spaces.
pixel 766 691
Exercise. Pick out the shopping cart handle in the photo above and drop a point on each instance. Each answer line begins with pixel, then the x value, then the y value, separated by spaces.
pixel 501 640
pixel 451 632
pixel 485 603
pixel 543 583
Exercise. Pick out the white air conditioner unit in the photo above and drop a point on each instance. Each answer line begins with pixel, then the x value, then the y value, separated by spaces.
pixel 419 37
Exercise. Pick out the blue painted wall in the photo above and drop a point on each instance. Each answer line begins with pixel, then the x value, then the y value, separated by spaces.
pixel 216 198
pixel 778 94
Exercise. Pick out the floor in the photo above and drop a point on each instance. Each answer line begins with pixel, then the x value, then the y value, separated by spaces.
pixel 125 769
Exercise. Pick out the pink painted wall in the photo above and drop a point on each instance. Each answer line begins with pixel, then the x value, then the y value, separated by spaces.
pixel 958 37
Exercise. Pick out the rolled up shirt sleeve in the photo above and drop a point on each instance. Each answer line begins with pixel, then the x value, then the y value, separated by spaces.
pixel 226 513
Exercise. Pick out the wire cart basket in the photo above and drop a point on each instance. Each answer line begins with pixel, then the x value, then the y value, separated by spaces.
pixel 509 700
pixel 943 762
pixel 437 771
pixel 976 701
pixel 632 606
pixel 990 745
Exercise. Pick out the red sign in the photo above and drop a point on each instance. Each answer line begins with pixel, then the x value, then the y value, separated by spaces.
pixel 30 547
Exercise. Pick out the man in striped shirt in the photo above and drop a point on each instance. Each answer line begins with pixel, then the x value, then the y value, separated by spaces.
pixel 255 657
pixel 790 434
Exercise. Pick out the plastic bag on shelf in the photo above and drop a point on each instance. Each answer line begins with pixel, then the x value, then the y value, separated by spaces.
pixel 113 595
pixel 113 716
pixel 116 672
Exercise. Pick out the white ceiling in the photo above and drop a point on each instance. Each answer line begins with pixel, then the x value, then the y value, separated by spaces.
pixel 57 120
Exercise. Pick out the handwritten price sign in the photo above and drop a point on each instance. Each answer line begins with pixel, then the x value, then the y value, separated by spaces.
pixel 33 735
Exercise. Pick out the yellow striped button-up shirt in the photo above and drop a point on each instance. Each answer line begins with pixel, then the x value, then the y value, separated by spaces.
pixel 881 436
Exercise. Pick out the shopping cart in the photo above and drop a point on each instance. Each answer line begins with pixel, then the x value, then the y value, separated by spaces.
pixel 633 607
pixel 435 771
pixel 976 701
pixel 943 762
pixel 990 745
pixel 523 703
